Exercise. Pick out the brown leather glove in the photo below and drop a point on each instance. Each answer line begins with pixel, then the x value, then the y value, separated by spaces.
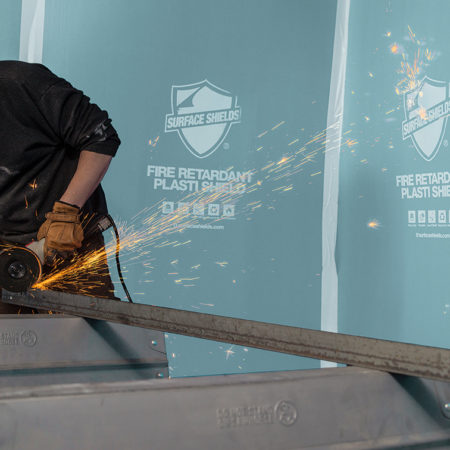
pixel 62 232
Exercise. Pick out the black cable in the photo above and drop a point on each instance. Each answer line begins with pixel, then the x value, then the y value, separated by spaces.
pixel 119 270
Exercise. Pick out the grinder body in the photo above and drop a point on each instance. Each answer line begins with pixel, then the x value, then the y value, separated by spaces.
pixel 21 266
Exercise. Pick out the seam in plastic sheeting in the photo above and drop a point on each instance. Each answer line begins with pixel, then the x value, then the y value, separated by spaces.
pixel 329 301
pixel 32 31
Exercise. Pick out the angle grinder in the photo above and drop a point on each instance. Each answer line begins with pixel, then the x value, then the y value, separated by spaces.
pixel 21 266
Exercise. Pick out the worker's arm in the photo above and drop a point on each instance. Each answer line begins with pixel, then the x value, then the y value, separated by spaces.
pixel 62 229
pixel 90 171
pixel 81 126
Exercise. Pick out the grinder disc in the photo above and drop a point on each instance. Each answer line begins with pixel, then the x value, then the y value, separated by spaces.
pixel 20 268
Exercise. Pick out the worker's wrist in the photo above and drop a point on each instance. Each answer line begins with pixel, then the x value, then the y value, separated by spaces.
pixel 69 204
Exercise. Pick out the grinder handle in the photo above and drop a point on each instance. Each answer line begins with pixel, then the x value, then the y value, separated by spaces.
pixel 96 223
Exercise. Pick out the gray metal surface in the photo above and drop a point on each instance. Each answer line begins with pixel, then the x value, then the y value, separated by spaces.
pixel 347 408
pixel 377 354
pixel 44 349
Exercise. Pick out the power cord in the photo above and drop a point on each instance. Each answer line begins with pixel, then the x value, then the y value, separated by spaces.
pixel 119 270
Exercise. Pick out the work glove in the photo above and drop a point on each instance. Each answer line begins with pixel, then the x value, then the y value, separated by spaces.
pixel 62 232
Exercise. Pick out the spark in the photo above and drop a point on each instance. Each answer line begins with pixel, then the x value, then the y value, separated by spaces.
pixel 152 228
pixel 394 48
pixel 229 352
pixel 278 125
pixel 412 69
pixel 411 34
pixel 373 224
pixel 422 113
pixel 370 74
pixel 262 134
pixel 153 142
pixel 182 280
pixel 317 173
pixel 33 185
pixel 222 263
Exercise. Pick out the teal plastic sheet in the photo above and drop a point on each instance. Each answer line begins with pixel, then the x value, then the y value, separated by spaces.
pixel 218 184
pixel 394 215
pixel 10 12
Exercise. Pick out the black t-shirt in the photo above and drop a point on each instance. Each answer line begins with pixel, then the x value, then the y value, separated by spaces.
pixel 44 125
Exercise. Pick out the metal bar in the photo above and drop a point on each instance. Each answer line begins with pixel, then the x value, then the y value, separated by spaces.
pixel 396 357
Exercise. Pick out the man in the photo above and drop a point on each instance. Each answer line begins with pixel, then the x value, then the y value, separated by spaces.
pixel 55 148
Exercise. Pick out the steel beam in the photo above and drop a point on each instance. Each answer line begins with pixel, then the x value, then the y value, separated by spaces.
pixel 345 408
pixel 408 359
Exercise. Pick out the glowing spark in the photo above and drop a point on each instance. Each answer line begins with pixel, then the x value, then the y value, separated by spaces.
pixel 317 173
pixel 293 142
pixel 422 113
pixel 33 185
pixel 181 280
pixel 278 125
pixel 229 352
pixel 394 48
pixel 388 34
pixel 429 55
pixel 411 34
pixel 222 263
pixel 370 74
pixel 155 228
pixel 373 224
pixel 153 143
pixel 259 148
pixel 367 118
pixel 262 134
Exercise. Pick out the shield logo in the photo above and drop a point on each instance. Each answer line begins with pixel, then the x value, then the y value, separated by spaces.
pixel 428 135
pixel 202 114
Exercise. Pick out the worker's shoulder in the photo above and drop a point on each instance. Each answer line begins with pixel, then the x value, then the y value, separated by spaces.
pixel 35 76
